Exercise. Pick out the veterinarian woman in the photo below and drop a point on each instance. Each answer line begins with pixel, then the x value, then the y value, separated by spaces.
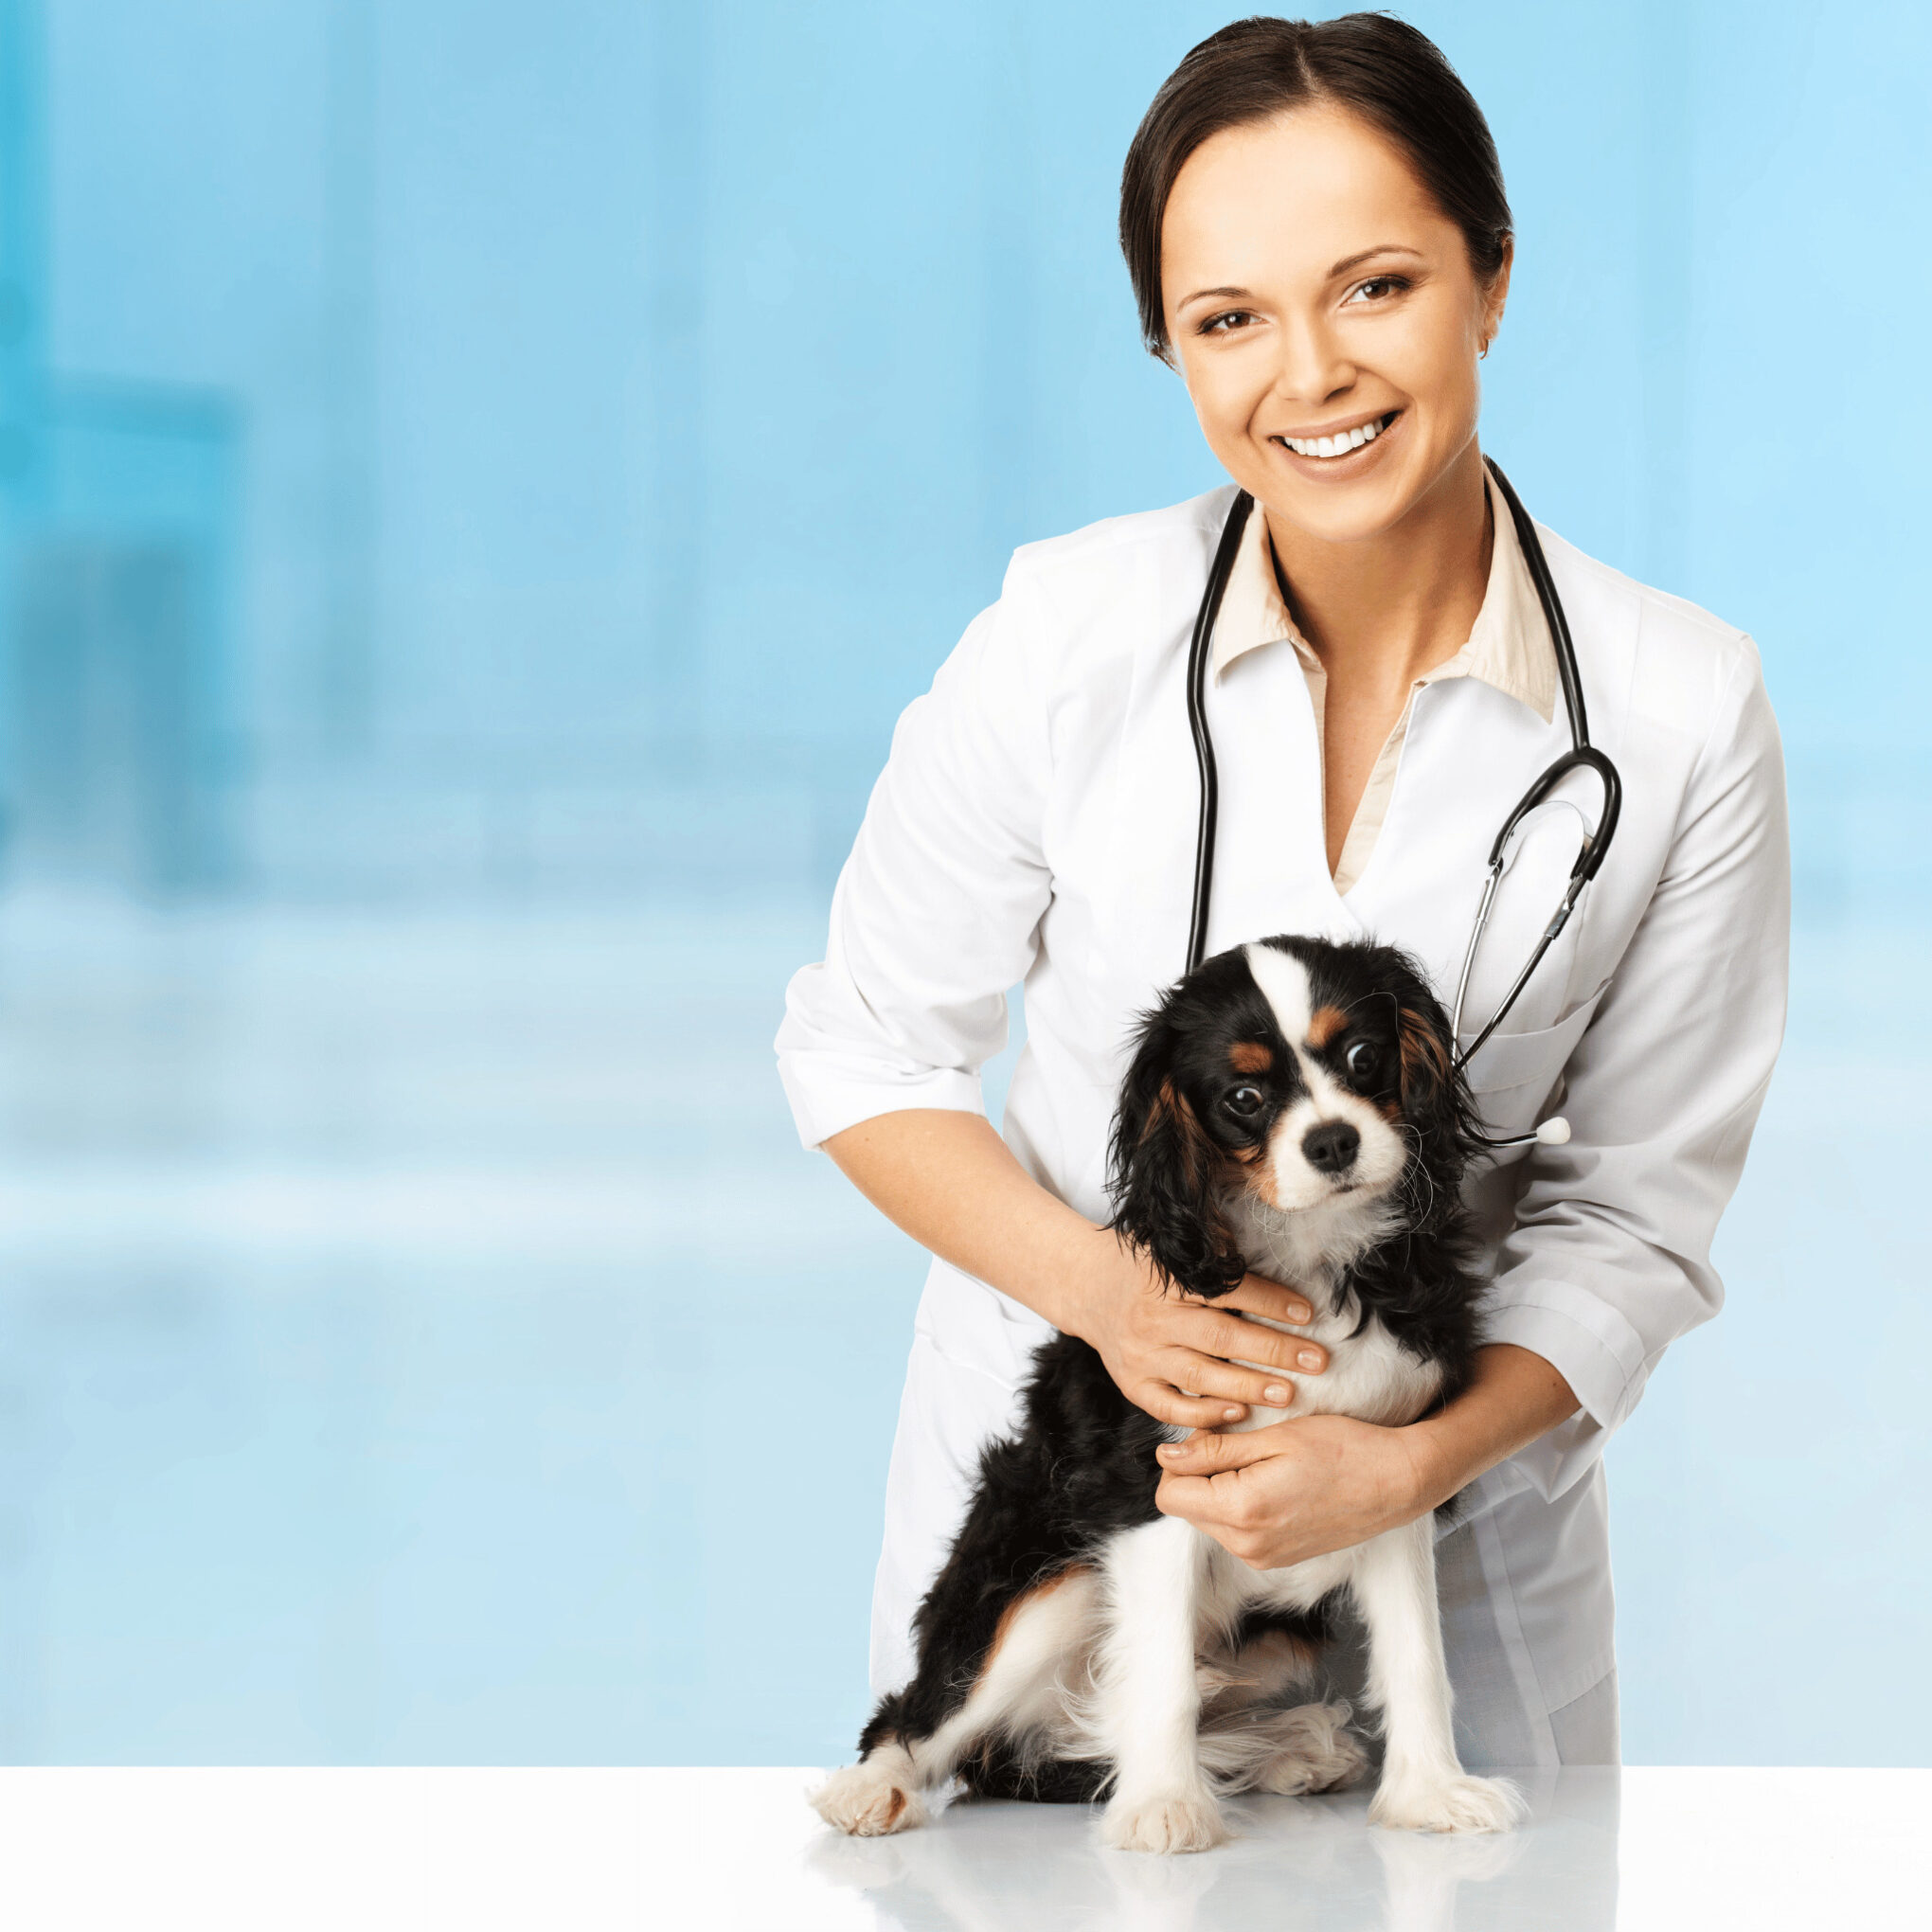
pixel 1315 228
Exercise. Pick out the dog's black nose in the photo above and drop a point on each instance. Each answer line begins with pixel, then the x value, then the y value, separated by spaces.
pixel 1331 1147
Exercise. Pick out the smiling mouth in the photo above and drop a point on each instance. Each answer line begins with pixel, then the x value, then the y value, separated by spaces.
pixel 1325 449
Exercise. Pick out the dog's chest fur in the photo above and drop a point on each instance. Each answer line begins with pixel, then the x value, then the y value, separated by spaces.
pixel 1369 1374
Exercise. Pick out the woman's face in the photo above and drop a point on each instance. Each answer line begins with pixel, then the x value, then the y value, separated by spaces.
pixel 1314 289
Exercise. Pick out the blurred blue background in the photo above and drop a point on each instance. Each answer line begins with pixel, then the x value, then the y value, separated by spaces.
pixel 478 482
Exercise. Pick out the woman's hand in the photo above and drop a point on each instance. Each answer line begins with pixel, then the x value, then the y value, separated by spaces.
pixel 1171 1353
pixel 952 1184
pixel 1298 1489
pixel 1314 1484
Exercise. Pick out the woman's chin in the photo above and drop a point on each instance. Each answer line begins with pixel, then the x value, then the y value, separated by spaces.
pixel 1359 512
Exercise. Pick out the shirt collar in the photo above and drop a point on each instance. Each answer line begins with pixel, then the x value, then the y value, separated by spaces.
pixel 1508 647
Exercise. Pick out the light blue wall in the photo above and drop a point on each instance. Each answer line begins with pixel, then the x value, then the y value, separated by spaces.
pixel 571 432
pixel 635 397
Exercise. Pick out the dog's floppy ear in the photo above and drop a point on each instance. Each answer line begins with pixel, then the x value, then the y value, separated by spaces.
pixel 1435 1096
pixel 1425 1062
pixel 1165 1175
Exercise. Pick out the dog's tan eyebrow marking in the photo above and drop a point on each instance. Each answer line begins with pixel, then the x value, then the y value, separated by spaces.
pixel 1324 1023
pixel 1250 1056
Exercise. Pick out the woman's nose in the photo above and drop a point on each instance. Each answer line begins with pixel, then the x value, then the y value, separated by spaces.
pixel 1313 369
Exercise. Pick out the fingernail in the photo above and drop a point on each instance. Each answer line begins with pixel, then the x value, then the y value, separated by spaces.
pixel 1170 1450
pixel 1303 1314
pixel 1309 1359
pixel 1234 1415
pixel 1278 1396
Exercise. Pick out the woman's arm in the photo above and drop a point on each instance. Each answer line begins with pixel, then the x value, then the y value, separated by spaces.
pixel 1609 1260
pixel 952 1183
pixel 1302 1488
pixel 937 910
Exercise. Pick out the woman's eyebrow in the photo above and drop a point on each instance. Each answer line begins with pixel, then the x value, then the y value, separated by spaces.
pixel 1342 267
pixel 1349 262
pixel 1201 294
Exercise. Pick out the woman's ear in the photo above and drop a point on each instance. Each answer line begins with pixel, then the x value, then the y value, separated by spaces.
pixel 1166 1176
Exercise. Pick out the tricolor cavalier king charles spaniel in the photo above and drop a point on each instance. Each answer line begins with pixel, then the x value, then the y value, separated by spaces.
pixel 1293 1107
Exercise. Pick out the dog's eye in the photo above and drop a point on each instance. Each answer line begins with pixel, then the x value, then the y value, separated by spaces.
pixel 1363 1060
pixel 1245 1102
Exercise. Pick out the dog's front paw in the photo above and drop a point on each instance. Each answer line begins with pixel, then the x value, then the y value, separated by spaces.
pixel 1450 1804
pixel 1181 1821
pixel 869 1799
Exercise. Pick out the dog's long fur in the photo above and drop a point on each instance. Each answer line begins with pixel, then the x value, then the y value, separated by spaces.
pixel 1291 1107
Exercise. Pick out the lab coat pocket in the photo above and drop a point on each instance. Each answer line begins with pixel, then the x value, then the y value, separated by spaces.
pixel 1515 1076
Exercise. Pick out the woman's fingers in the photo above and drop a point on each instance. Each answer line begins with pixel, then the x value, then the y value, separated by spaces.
pixel 1188 1362
pixel 1202 1392
pixel 1248 1341
pixel 1206 1375
pixel 1210 1454
pixel 1166 1402
pixel 1257 1295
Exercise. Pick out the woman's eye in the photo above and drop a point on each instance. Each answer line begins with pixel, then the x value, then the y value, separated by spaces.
pixel 1213 327
pixel 1379 288
pixel 1363 1060
pixel 1244 1100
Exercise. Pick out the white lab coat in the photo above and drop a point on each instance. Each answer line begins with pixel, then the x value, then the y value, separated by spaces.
pixel 1036 823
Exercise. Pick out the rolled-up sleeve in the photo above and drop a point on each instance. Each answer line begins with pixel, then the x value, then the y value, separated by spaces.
pixel 937 910
pixel 1609 1260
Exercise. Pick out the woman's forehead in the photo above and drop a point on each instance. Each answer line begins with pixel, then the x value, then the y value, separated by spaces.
pixel 1289 197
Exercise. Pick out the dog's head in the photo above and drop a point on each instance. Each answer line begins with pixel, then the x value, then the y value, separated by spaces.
pixel 1303 1072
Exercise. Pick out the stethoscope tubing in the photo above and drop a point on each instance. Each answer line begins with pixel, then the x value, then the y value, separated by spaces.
pixel 1583 755
pixel 1198 649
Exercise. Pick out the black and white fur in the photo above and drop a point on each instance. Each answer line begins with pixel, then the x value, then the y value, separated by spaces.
pixel 1293 1108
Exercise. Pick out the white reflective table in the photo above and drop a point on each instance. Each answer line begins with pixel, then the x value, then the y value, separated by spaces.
pixel 736 1851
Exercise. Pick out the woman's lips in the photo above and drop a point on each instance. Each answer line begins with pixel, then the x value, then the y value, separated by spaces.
pixel 1351 462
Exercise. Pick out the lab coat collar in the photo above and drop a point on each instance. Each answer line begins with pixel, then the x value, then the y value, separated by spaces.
pixel 1509 646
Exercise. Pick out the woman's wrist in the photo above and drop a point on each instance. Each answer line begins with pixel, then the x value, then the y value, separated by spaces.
pixel 1515 1397
pixel 1434 1467
pixel 1080 1278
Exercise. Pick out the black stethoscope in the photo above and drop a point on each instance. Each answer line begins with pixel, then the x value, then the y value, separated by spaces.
pixel 1581 754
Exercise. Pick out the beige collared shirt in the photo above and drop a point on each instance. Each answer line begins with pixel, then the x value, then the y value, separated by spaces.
pixel 1508 647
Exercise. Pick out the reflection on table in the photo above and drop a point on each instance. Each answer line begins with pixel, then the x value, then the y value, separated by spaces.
pixel 1314 1863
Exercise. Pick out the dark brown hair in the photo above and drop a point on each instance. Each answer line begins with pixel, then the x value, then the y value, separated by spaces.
pixel 1373 65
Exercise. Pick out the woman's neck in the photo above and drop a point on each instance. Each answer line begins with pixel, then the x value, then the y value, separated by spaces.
pixel 1382 612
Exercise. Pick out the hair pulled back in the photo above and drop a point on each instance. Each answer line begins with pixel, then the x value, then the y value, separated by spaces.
pixel 1371 65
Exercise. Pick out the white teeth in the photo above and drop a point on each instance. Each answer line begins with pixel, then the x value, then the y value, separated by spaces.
pixel 1335 445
